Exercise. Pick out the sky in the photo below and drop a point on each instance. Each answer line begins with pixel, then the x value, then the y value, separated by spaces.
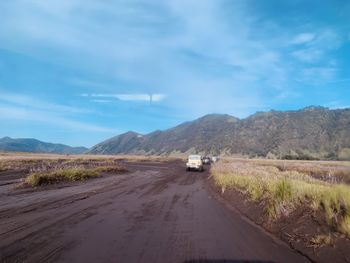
pixel 81 71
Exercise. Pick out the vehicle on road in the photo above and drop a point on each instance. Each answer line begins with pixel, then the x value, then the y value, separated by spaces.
pixel 194 163
pixel 206 160
pixel 214 159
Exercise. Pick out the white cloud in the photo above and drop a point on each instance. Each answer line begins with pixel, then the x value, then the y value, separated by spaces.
pixel 102 101
pixel 140 97
pixel 303 38
pixel 317 75
pixel 133 97
pixel 318 47
pixel 85 83
pixel 308 55
pixel 287 94
pixel 158 97
pixel 27 108
pixel 328 39
pixel 35 103
pixel 23 114
pixel 181 48
pixel 129 97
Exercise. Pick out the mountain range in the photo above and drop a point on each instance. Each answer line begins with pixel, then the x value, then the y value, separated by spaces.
pixel 309 133
pixel 8 144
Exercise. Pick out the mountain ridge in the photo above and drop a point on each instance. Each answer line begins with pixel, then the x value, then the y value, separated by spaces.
pixel 36 146
pixel 312 132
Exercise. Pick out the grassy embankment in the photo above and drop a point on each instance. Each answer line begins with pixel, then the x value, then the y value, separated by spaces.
pixel 281 192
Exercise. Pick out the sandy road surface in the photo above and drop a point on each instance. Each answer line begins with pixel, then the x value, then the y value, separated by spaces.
pixel 156 213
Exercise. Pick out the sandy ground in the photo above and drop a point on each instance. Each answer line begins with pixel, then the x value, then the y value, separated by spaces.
pixel 156 213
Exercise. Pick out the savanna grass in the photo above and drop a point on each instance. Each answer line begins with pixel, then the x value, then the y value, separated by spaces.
pixel 283 191
pixel 71 174
pixel 3 167
pixel 111 169
pixel 321 240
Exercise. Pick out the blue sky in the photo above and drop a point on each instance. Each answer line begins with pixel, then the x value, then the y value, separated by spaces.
pixel 81 71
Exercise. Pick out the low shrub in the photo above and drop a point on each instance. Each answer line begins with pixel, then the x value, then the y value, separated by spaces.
pixel 72 174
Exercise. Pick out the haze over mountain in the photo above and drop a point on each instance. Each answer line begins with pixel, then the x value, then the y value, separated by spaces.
pixel 35 146
pixel 312 132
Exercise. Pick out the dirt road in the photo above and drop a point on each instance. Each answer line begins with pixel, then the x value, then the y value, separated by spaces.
pixel 156 213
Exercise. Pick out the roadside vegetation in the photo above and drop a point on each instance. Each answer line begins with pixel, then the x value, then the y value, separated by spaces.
pixel 2 167
pixel 47 175
pixel 50 169
pixel 28 162
pixel 321 240
pixel 281 191
pixel 43 169
pixel 70 174
pixel 110 169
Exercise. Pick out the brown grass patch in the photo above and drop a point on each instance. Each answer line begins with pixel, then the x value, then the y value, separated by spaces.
pixel 282 191
pixel 72 174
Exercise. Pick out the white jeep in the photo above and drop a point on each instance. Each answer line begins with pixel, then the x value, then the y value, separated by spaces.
pixel 194 163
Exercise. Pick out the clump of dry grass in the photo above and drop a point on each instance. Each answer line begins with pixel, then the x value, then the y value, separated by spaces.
pixel 71 174
pixel 3 167
pixel 50 173
pixel 111 169
pixel 321 240
pixel 283 191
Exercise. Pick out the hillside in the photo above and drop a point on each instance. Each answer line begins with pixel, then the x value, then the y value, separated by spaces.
pixel 8 144
pixel 309 133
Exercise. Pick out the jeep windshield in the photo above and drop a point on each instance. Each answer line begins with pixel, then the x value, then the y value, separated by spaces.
pixel 194 158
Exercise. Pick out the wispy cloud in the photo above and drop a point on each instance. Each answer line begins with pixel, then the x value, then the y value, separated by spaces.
pixel 128 97
pixel 21 107
pixel 23 114
pixel 140 97
pixel 317 75
pixel 102 101
pixel 35 103
pixel 303 38
pixel 86 83
pixel 308 55
pixel 317 46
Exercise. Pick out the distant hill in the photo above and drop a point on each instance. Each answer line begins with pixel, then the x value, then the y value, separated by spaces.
pixel 309 133
pixel 35 146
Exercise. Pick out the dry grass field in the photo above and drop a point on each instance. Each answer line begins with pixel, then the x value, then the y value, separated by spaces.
pixel 284 186
pixel 12 156
pixel 43 169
